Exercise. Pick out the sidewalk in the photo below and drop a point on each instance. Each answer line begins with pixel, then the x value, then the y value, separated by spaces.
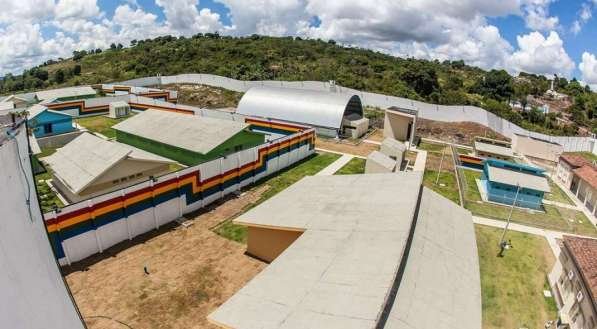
pixel 335 166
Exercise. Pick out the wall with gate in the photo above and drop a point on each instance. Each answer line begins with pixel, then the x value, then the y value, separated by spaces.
pixel 426 110
pixel 89 227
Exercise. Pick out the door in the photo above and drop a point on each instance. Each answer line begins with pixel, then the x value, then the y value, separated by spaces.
pixel 47 128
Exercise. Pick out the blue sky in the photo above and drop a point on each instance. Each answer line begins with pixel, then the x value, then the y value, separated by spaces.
pixel 537 36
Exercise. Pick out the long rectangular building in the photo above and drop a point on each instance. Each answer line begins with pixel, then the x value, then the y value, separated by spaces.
pixel 355 251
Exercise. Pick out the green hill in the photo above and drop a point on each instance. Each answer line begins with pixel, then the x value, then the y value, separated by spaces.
pixel 261 58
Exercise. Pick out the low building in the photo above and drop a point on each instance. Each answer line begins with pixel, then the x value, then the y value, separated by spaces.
pixel 584 185
pixel 379 163
pixel 333 114
pixel 45 122
pixel 400 123
pixel 492 148
pixel 65 94
pixel 17 102
pixel 358 251
pixel 567 163
pixel 394 149
pixel 506 182
pixel 540 150
pixel 573 280
pixel 188 139
pixel 89 166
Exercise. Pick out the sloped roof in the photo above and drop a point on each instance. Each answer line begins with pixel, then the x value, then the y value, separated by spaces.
pixel 493 149
pixel 584 252
pixel 191 132
pixel 83 160
pixel 514 178
pixel 64 92
pixel 382 159
pixel 38 109
pixel 313 107
pixel 341 271
pixel 588 173
pixel 575 160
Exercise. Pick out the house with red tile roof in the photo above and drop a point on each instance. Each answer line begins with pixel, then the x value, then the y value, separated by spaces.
pixel 579 174
pixel 574 283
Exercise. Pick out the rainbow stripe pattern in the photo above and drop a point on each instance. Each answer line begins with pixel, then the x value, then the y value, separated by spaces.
pixel 68 224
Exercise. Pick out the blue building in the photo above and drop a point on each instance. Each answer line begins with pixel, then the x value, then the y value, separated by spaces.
pixel 501 179
pixel 45 122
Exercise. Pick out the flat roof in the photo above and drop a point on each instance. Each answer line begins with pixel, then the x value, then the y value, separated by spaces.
pixel 341 271
pixel 382 159
pixel 191 132
pixel 493 149
pixel 83 160
pixel 65 92
pixel 514 178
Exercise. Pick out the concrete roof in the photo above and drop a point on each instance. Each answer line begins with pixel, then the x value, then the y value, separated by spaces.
pixel 313 107
pixel 393 144
pixel 65 92
pixel 37 109
pixel 83 160
pixel 8 105
pixel 493 149
pixel 191 132
pixel 340 272
pixel 382 159
pixel 514 178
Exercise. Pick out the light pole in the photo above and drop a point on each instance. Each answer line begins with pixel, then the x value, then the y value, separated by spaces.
pixel 502 241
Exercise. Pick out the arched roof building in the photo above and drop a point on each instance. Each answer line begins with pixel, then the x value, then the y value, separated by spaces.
pixel 321 109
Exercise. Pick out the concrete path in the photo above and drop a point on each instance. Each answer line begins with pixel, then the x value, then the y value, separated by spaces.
pixel 561 205
pixel 335 166
pixel 337 152
pixel 371 142
pixel 420 161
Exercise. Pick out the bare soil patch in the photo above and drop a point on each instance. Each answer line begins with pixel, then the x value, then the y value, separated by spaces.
pixel 455 132
pixel 205 96
pixel 192 271
pixel 361 149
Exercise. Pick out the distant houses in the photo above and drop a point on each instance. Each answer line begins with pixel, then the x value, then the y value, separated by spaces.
pixel 511 183
pixel 188 139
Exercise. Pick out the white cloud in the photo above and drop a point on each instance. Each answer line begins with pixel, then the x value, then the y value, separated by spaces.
pixel 536 15
pixel 183 17
pixel 76 9
pixel 537 54
pixel 25 11
pixel 588 69
pixel 585 14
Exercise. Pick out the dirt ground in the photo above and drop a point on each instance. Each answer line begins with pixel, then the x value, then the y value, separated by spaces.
pixel 191 272
pixel 434 159
pixel 362 149
pixel 205 96
pixel 454 132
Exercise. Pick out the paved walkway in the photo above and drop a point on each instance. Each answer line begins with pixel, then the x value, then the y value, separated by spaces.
pixel 420 161
pixel 341 153
pixel 561 205
pixel 335 166
pixel 371 142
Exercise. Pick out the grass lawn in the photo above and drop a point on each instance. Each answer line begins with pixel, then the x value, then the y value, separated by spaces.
pixel 512 286
pixel 431 147
pixel 557 194
pixel 101 124
pixel 46 151
pixel 354 166
pixel 554 218
pixel 47 197
pixel 447 179
pixel 277 182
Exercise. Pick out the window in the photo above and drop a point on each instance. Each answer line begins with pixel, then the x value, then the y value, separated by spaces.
pixel 115 181
pixel 238 148
pixel 139 174
pixel 47 128
pixel 131 176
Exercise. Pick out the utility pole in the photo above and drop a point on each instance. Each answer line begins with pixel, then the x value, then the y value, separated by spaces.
pixel 440 166
pixel 503 243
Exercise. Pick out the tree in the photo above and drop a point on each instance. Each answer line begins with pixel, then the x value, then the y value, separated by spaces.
pixel 59 76
pixel 422 78
pixel 77 55
pixel 113 46
pixel 454 82
pixel 77 69
pixel 496 84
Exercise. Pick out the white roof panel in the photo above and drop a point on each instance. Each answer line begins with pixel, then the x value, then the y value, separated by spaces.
pixel 64 92
pixel 514 178
pixel 190 132
pixel 318 108
pixel 493 149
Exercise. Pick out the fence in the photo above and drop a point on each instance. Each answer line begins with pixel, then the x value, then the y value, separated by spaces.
pixel 89 227
pixel 426 111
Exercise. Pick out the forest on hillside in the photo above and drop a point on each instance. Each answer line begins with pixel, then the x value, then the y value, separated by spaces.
pixel 292 58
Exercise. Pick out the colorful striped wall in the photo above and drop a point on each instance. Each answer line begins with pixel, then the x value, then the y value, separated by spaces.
pixel 83 229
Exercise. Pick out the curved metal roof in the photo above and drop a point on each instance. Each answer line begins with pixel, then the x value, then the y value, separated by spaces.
pixel 317 108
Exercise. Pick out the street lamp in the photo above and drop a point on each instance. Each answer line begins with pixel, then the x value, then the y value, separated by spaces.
pixel 503 242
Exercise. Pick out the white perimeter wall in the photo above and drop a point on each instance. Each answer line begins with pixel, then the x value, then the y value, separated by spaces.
pixel 33 294
pixel 426 111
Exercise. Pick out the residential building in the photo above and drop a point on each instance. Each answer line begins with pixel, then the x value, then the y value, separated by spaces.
pixel 492 148
pixel 358 251
pixel 17 102
pixel 186 138
pixel 504 182
pixel 45 122
pixel 333 114
pixel 573 280
pixel 579 175
pixel 566 165
pixel 89 166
